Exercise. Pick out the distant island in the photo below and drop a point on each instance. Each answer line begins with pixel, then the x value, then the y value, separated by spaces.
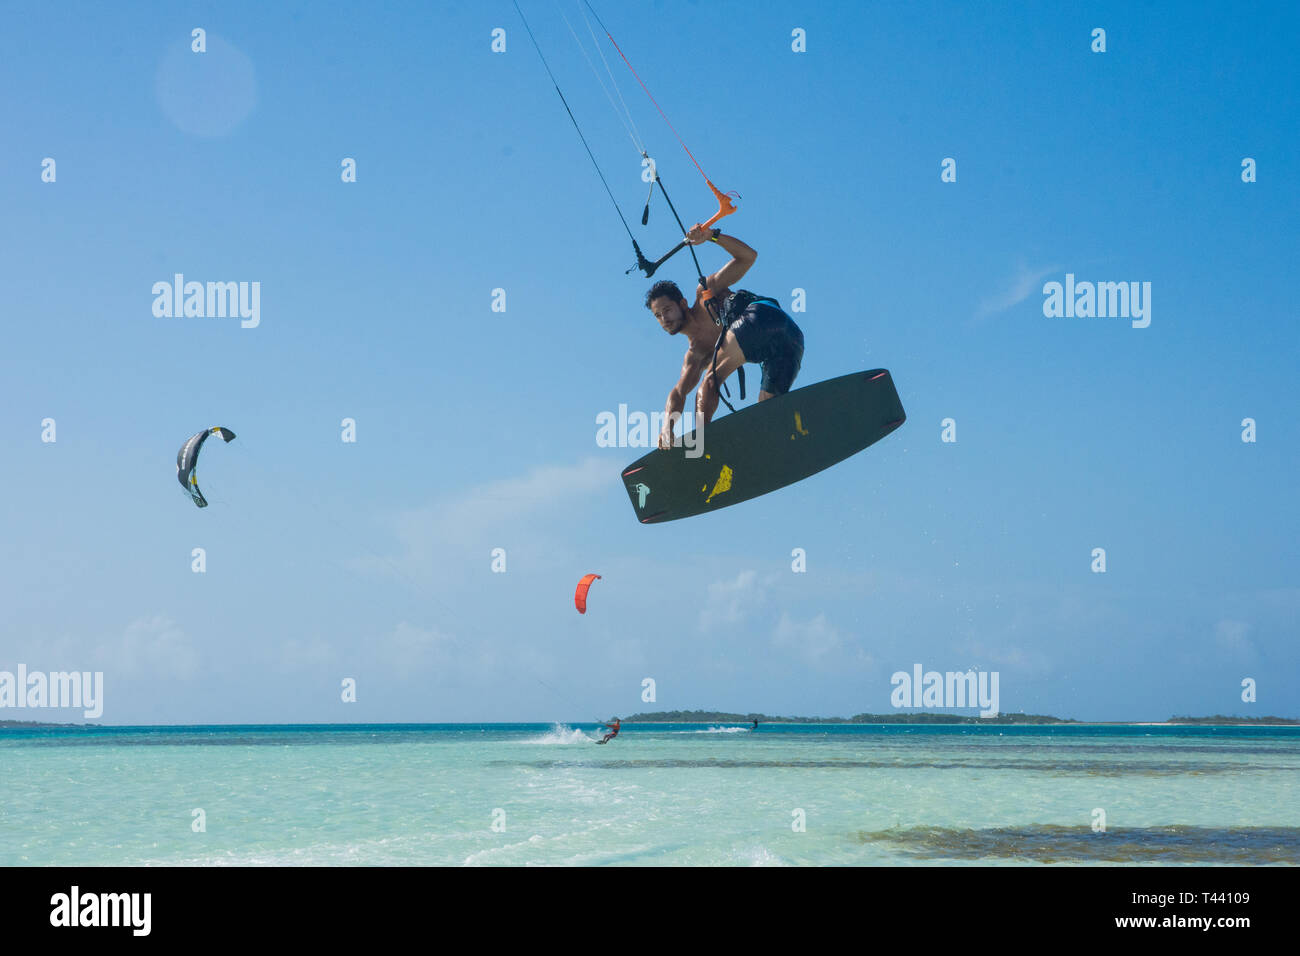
pixel 1221 719
pixel 718 717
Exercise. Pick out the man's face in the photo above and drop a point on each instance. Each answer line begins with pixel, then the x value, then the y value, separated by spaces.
pixel 671 315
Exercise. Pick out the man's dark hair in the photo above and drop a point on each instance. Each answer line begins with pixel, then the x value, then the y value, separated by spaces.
pixel 664 287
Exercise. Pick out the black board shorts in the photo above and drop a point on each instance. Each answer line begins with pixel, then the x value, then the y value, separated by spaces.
pixel 768 336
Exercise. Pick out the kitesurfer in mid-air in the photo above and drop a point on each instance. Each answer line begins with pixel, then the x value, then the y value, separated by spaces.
pixel 755 329
pixel 613 732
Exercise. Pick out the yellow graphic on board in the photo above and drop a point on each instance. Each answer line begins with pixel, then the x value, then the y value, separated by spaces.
pixel 798 426
pixel 722 484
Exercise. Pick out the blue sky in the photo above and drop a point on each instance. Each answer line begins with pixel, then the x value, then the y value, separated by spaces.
pixel 477 429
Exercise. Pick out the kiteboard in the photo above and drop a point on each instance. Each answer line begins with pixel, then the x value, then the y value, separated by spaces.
pixel 765 446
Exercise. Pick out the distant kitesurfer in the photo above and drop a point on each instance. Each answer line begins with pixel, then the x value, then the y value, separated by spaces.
pixel 613 731
pixel 754 329
pixel 755 727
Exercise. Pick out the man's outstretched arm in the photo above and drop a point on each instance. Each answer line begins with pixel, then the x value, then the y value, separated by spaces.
pixel 692 369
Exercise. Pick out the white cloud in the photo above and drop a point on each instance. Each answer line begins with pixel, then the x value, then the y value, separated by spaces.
pixel 153 646
pixel 730 601
pixel 1023 283
pixel 409 650
pixel 1232 636
pixel 815 639
pixel 301 657
pixel 974 654
pixel 470 517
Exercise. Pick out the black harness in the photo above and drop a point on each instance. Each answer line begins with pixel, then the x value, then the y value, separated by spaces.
pixel 733 308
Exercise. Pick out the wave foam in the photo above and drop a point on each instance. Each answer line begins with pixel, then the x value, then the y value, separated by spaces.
pixel 561 735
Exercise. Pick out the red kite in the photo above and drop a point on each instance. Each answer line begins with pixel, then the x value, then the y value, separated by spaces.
pixel 580 595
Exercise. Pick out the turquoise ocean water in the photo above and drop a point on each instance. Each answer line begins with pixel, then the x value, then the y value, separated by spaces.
pixel 659 794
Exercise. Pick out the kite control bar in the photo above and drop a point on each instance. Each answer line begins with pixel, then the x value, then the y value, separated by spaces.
pixel 726 206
